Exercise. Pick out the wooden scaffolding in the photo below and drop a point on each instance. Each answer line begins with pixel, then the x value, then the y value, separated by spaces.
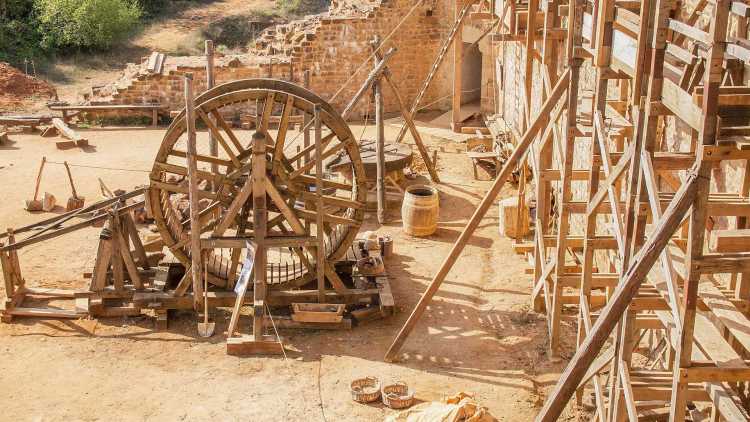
pixel 658 267
pixel 638 237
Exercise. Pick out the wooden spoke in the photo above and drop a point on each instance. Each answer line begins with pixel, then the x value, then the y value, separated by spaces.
pixel 326 183
pixel 325 155
pixel 326 139
pixel 265 118
pixel 333 200
pixel 234 208
pixel 306 214
pixel 278 151
pixel 215 131
pixel 170 187
pixel 285 210
pixel 204 158
pixel 228 130
pixel 182 171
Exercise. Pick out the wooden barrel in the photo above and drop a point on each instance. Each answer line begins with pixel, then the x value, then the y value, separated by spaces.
pixel 419 211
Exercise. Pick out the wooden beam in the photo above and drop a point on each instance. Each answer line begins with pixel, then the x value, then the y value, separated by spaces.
pixel 632 279
pixel 479 213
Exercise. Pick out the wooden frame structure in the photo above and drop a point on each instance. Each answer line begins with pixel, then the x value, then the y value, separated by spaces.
pixel 641 239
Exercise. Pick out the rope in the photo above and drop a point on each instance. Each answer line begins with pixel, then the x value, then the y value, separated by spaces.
pixel 278 337
pixel 364 126
pixel 99 167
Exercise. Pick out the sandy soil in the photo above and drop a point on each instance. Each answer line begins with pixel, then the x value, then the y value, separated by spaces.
pixel 476 336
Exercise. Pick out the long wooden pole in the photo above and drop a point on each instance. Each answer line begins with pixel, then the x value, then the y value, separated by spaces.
pixel 192 174
pixel 479 213
pixel 320 256
pixel 306 121
pixel 379 141
pixel 627 289
pixel 212 145
pixel 458 48
pixel 260 223
pixel 371 78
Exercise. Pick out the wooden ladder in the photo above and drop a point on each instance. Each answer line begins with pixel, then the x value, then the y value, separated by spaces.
pixel 436 64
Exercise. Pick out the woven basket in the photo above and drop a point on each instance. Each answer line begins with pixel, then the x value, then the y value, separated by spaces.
pixel 365 390
pixel 397 395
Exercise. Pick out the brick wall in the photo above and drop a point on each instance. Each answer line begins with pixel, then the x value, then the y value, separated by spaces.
pixel 332 51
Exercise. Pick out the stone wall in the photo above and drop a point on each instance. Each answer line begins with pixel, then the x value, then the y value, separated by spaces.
pixel 331 47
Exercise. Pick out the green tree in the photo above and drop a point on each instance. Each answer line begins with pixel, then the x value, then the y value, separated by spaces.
pixel 92 24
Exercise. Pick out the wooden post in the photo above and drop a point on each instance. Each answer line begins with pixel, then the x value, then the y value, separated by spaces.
pixel 709 131
pixel 260 221
pixel 479 213
pixel 306 122
pixel 321 248
pixel 212 144
pixel 429 162
pixel 458 48
pixel 192 174
pixel 379 141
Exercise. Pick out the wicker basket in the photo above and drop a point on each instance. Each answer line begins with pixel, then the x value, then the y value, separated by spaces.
pixel 397 395
pixel 365 390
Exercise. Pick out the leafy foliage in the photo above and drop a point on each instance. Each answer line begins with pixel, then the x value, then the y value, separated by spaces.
pixel 90 24
pixel 19 35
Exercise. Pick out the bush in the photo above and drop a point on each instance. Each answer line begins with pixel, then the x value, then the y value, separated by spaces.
pixel 19 33
pixel 86 24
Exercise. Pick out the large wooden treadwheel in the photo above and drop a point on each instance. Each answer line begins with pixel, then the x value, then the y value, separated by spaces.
pixel 227 208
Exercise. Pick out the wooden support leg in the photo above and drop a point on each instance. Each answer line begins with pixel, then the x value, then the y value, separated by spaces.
pixel 10 287
pixel 260 222
pixel 192 173
pixel 476 218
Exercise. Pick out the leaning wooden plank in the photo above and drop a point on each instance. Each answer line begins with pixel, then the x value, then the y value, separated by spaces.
pixel 374 74
pixel 631 280
pixel 55 233
pixel 44 313
pixel 67 132
pixel 86 210
pixel 481 210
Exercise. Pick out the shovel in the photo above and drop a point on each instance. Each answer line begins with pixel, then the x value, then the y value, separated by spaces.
pixel 74 202
pixel 205 328
pixel 35 204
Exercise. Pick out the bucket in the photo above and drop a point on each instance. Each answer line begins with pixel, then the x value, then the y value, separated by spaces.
pixel 419 211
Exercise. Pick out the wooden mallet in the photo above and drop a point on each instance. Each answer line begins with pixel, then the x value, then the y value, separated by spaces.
pixel 74 202
pixel 35 204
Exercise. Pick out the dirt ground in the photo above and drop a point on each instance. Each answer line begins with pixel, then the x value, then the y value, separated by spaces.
pixel 477 335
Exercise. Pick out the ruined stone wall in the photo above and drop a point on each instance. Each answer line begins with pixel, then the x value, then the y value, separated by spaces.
pixel 331 47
